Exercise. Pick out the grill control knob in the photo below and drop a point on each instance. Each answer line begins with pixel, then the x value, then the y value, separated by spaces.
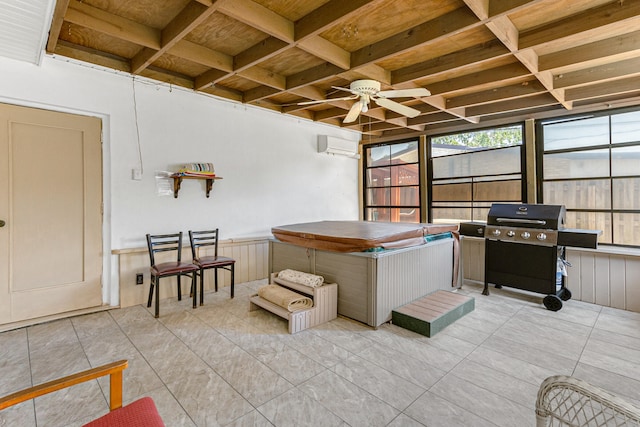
pixel 525 235
pixel 511 233
pixel 496 232
pixel 541 237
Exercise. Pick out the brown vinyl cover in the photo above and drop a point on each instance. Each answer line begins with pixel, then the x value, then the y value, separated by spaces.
pixel 357 236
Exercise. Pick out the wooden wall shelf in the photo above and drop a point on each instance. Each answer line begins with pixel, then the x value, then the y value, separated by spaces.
pixel 177 181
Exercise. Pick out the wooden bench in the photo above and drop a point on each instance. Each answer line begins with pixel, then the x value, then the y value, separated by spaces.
pixel 432 313
pixel 325 304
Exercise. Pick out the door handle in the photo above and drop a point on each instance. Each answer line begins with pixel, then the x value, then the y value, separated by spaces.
pixel 2 223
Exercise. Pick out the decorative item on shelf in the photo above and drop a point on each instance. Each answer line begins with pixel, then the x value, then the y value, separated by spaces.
pixel 194 171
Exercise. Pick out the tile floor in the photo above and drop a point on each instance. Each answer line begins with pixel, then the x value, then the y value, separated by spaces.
pixel 221 365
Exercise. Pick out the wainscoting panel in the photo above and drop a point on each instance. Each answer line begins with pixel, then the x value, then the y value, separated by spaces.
pixel 596 276
pixel 251 255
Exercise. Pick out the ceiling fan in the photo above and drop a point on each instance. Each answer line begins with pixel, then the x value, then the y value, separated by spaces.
pixel 366 90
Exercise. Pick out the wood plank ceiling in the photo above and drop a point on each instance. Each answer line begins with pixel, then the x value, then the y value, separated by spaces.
pixel 480 59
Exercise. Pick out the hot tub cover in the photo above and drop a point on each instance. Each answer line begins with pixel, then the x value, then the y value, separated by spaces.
pixel 357 236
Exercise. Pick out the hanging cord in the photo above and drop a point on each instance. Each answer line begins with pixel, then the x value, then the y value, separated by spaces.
pixel 135 115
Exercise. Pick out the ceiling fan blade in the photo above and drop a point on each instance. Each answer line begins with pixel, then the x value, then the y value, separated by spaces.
pixel 397 107
pixel 346 89
pixel 354 112
pixel 320 101
pixel 404 93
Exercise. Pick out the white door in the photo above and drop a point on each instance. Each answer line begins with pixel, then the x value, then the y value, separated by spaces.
pixel 51 207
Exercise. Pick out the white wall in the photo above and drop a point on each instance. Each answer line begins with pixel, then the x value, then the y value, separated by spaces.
pixel 272 172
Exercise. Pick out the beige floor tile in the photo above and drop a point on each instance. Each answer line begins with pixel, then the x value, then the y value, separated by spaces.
pixel 381 383
pixel 433 411
pixel 484 403
pixel 507 386
pixel 351 403
pixel 617 384
pixel 223 365
pixel 294 408
pixel 402 365
pixel 256 382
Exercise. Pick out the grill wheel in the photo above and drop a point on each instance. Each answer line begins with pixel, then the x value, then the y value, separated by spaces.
pixel 552 302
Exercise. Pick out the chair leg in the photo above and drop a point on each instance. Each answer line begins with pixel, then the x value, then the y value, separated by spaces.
pixel 215 275
pixel 194 285
pixel 179 288
pixel 232 279
pixel 152 281
pixel 201 286
pixel 157 297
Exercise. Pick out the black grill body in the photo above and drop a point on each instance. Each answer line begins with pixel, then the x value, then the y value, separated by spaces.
pixel 524 244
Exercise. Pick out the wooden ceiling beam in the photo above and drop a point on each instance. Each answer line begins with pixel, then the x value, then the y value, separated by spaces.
pixel 258 93
pixel 265 77
pixel 124 29
pixel 56 24
pixel 630 84
pixel 258 16
pixel 581 24
pixel 444 26
pixel 526 88
pixel 517 104
pixel 611 71
pixel 92 56
pixel 259 52
pixel 192 15
pixel 453 61
pixel 506 31
pixel 202 55
pixel 327 51
pixel 327 15
pixel 627 44
pixel 486 79
pixel 313 75
pixel 429 119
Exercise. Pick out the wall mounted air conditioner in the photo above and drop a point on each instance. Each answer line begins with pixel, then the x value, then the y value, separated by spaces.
pixel 338 146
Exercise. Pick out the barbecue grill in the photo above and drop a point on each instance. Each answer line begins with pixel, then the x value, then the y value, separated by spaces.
pixel 525 248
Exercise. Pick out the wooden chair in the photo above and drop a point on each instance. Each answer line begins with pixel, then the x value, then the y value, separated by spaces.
pixel 140 413
pixel 168 243
pixel 200 239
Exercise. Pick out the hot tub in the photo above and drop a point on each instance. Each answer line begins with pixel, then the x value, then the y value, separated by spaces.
pixel 376 269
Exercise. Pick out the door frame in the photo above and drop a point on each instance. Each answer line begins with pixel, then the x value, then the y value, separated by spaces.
pixel 110 273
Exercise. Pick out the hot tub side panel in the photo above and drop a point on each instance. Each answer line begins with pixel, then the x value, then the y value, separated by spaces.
pixel 371 285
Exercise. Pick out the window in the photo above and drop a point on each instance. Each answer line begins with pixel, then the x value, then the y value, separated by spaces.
pixel 592 166
pixel 392 182
pixel 470 171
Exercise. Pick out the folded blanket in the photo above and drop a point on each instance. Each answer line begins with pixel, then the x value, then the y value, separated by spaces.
pixel 306 279
pixel 285 298
pixel 197 169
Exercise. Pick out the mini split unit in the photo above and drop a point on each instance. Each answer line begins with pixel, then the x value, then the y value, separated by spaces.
pixel 338 146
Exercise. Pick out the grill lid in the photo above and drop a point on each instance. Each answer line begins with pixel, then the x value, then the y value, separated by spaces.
pixel 550 217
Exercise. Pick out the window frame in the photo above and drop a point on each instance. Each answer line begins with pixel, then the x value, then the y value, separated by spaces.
pixel 430 179
pixel 366 167
pixel 608 146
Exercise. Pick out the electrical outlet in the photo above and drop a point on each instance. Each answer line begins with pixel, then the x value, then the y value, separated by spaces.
pixel 139 279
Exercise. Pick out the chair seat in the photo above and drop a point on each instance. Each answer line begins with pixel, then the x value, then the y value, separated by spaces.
pixel 168 268
pixel 141 413
pixel 213 261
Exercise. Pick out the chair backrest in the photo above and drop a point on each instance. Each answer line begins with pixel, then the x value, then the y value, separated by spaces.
pixel 203 238
pixel 164 243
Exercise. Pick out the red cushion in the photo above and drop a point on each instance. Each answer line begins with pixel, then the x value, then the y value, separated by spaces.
pixel 213 261
pixel 141 413
pixel 172 268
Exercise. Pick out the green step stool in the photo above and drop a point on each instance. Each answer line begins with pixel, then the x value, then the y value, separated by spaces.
pixel 432 313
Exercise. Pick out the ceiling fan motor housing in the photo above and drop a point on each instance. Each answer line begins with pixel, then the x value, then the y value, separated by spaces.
pixel 365 87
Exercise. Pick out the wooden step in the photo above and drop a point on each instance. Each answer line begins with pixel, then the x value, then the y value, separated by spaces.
pixel 432 313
